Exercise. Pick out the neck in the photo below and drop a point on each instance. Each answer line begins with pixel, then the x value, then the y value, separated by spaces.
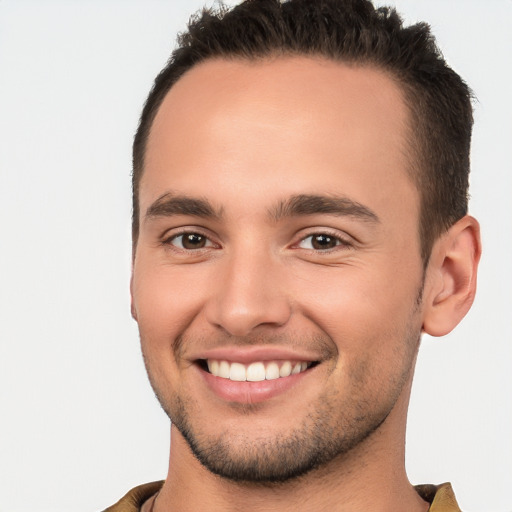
pixel 370 477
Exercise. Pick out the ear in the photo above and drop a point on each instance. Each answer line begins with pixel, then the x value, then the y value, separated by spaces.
pixel 132 305
pixel 451 277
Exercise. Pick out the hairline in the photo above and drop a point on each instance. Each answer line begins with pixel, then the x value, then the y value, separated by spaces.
pixel 414 150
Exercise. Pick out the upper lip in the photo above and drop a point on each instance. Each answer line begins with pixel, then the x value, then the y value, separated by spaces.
pixel 247 355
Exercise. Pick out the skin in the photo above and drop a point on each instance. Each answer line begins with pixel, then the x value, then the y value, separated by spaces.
pixel 247 137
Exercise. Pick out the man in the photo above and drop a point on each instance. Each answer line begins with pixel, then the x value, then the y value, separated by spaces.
pixel 300 218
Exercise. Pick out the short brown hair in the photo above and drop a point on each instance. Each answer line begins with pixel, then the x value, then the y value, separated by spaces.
pixel 354 32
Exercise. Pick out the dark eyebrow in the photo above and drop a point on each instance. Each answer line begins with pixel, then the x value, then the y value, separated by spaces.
pixel 317 204
pixel 170 204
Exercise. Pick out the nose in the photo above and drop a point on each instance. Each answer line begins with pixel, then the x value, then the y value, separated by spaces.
pixel 249 293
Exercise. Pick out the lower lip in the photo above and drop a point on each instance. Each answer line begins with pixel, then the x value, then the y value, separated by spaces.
pixel 251 392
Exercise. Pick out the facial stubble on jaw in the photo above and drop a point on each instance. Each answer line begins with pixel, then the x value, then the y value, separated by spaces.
pixel 327 433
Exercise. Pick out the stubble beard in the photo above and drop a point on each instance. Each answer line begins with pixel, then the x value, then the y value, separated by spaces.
pixel 312 444
pixel 328 433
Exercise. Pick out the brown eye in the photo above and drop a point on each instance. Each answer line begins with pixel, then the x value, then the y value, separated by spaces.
pixel 193 241
pixel 321 242
pixel 190 241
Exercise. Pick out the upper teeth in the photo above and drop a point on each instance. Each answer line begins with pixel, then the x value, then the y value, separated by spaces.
pixel 255 372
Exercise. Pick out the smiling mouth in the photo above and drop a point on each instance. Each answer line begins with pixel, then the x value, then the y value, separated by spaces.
pixel 257 371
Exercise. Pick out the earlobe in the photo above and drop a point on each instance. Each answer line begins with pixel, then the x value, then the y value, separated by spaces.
pixel 451 277
pixel 133 311
pixel 132 305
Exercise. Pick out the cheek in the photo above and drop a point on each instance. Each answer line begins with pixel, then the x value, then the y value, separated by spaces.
pixel 165 303
pixel 356 299
pixel 162 309
pixel 165 298
pixel 370 316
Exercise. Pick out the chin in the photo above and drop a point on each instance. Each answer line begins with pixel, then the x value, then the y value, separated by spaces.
pixel 280 456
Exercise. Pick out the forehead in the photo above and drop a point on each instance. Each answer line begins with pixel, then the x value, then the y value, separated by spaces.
pixel 291 123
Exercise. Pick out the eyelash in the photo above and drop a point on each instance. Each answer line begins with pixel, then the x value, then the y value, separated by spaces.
pixel 341 242
pixel 170 239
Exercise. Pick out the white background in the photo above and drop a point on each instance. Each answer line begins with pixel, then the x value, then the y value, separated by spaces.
pixel 79 425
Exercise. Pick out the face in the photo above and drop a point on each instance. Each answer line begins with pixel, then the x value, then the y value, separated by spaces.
pixel 277 275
